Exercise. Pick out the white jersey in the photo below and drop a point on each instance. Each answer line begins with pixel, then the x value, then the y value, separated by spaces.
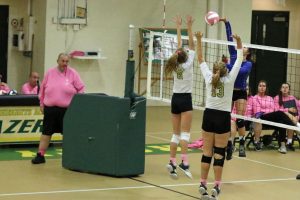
pixel 221 99
pixel 183 76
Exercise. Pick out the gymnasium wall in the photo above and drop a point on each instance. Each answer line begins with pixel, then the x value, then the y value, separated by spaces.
pixel 293 6
pixel 18 65
pixel 107 29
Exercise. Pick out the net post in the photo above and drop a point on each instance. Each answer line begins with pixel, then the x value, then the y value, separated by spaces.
pixel 129 77
pixel 150 58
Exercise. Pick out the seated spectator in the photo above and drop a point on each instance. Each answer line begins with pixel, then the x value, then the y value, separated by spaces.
pixel 32 86
pixel 288 104
pixel 262 106
pixel 4 89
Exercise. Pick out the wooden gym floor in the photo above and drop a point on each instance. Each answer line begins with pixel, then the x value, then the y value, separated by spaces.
pixel 260 176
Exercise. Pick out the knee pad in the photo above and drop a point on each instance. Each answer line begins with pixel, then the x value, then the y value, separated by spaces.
pixel 240 123
pixel 206 159
pixel 185 136
pixel 175 139
pixel 219 156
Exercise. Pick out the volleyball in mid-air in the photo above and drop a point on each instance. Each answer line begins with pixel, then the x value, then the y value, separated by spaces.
pixel 211 18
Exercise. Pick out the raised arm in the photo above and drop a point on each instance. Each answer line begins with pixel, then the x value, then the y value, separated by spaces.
pixel 238 62
pixel 207 74
pixel 199 47
pixel 228 29
pixel 239 44
pixel 178 22
pixel 189 22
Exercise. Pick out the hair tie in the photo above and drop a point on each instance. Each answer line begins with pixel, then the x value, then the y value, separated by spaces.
pixel 177 52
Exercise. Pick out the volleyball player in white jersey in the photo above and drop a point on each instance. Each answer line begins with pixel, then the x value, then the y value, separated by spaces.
pixel 216 118
pixel 180 64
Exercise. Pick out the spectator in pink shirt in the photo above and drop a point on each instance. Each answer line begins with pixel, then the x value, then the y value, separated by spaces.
pixel 4 89
pixel 262 106
pixel 288 104
pixel 59 86
pixel 31 87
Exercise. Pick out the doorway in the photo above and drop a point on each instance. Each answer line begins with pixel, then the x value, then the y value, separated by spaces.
pixel 3 41
pixel 269 28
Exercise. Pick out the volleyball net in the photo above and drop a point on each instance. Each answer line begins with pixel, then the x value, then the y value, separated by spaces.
pixel 159 46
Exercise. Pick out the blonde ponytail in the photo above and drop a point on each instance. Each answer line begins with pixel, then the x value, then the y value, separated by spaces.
pixel 215 81
pixel 219 70
pixel 179 57
pixel 171 64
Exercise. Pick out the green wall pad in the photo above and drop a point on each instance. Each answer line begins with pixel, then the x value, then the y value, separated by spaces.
pixel 105 135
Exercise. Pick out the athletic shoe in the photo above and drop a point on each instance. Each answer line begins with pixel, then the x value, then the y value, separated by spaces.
pixel 198 144
pixel 229 150
pixel 38 159
pixel 203 192
pixel 298 135
pixel 282 149
pixel 215 193
pixel 257 146
pixel 185 169
pixel 172 170
pixel 290 147
pixel 242 151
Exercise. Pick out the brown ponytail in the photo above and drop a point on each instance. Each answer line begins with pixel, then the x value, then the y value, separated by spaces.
pixel 179 57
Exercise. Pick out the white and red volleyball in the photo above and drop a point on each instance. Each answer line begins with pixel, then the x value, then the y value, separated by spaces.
pixel 211 18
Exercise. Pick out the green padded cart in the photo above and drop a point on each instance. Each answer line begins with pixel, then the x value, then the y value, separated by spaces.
pixel 105 135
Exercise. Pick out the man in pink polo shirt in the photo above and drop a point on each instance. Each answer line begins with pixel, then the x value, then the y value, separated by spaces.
pixel 59 86
pixel 31 87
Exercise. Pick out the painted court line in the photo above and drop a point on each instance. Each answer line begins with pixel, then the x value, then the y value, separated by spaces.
pixel 250 160
pixel 136 187
pixel 267 164
pixel 162 139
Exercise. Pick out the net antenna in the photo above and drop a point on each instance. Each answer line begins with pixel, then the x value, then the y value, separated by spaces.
pixel 162 48
pixel 164 14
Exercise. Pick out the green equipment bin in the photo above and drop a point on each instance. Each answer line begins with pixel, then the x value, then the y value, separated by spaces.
pixel 105 134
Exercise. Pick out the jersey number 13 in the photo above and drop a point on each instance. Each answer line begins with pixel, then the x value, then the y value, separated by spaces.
pixel 219 91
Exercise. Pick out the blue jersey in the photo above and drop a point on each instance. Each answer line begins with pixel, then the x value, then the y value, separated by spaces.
pixel 241 80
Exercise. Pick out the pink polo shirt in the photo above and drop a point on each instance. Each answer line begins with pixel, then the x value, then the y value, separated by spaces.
pixel 281 108
pixel 58 88
pixel 284 99
pixel 28 89
pixel 263 104
pixel 4 87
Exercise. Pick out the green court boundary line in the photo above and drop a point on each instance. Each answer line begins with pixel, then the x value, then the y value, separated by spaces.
pixel 27 153
pixel 16 152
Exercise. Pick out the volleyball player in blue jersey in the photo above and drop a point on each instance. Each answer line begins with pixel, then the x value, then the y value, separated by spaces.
pixel 239 97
